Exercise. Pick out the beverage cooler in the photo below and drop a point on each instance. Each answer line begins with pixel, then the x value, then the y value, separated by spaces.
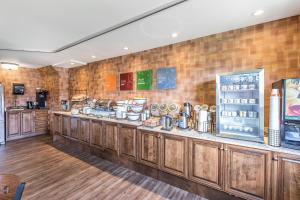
pixel 290 112
pixel 240 105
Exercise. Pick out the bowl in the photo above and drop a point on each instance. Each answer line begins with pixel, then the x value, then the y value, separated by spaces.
pixel 133 116
pixel 137 108
pixel 139 100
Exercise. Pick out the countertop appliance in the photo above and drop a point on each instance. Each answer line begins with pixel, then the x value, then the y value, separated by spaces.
pixel 183 120
pixel 240 105
pixel 41 98
pixel 187 109
pixel 2 118
pixel 166 122
pixel 290 112
pixel 29 105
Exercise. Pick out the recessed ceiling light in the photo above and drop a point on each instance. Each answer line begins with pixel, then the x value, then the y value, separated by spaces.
pixel 174 35
pixel 126 48
pixel 258 12
pixel 93 56
pixel 72 63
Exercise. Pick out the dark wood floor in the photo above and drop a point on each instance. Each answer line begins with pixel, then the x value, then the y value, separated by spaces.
pixel 54 172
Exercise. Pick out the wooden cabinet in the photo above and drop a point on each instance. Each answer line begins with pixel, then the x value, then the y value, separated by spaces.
pixel 27 122
pixel 174 155
pixel 149 148
pixel 127 141
pixel 286 177
pixel 41 121
pixel 56 124
pixel 66 125
pixel 96 138
pixel 84 130
pixel 110 137
pixel 74 128
pixel 205 163
pixel 247 172
pixel 13 124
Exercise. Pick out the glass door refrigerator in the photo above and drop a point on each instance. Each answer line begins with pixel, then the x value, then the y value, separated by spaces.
pixel 2 117
pixel 240 105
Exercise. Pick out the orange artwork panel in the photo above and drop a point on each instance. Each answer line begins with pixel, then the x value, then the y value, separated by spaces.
pixel 110 82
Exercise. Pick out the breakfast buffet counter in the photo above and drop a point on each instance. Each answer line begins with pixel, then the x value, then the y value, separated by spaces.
pixel 190 133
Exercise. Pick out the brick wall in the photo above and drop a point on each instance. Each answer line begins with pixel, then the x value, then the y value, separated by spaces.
pixel 30 77
pixel 275 46
pixel 53 79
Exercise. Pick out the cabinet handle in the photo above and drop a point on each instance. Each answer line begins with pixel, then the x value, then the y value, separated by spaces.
pixel 221 148
pixel 225 149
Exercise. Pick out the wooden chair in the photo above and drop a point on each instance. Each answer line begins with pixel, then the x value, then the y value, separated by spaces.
pixel 11 187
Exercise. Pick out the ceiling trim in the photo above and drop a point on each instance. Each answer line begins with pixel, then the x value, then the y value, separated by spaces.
pixel 105 31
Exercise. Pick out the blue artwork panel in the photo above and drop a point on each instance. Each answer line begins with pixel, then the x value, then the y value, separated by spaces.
pixel 166 78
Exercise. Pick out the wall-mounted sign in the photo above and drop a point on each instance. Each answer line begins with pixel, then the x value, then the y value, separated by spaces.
pixel 166 78
pixel 110 82
pixel 126 81
pixel 144 80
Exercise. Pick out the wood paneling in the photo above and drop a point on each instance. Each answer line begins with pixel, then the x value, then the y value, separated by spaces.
pixel 110 137
pixel 84 130
pixel 56 124
pixel 13 124
pixel 149 148
pixel 288 178
pixel 75 127
pixel 96 133
pixel 27 122
pixel 41 121
pixel 66 125
pixel 127 141
pixel 174 155
pixel 205 163
pixel 247 172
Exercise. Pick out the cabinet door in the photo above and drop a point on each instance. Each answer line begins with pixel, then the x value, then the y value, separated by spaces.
pixel 66 126
pixel 84 130
pixel 149 148
pixel 96 133
pixel 110 137
pixel 288 174
pixel 27 120
pixel 56 125
pixel 127 141
pixel 13 124
pixel 74 127
pixel 205 163
pixel 247 172
pixel 174 155
pixel 41 121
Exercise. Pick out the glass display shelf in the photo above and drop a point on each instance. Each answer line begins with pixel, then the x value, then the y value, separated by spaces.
pixel 240 105
pixel 242 90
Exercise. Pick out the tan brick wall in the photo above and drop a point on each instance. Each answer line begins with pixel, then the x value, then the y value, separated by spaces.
pixel 30 77
pixel 275 46
pixel 55 80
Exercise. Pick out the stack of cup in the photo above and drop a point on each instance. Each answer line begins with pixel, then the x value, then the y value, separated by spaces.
pixel 274 123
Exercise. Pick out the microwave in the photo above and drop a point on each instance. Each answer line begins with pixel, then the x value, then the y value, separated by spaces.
pixel 18 89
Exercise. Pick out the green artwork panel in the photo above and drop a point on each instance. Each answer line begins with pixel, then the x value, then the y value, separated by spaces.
pixel 144 80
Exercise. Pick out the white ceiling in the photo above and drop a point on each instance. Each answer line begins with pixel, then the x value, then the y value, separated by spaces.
pixel 48 25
